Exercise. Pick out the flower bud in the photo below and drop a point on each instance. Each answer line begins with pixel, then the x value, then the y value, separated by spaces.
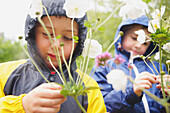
pixel 20 37
pixel 48 58
pixel 168 62
pixel 162 72
pixel 61 44
pixel 37 13
pixel 143 57
pixel 149 58
pixel 121 33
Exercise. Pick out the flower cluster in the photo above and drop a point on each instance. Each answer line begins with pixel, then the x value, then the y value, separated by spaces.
pixel 102 59
pixel 154 24
pixel 118 59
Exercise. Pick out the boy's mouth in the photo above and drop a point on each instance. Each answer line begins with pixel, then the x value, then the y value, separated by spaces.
pixel 52 56
pixel 135 52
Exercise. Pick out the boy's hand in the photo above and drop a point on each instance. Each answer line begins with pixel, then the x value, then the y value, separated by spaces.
pixel 45 98
pixel 166 79
pixel 144 80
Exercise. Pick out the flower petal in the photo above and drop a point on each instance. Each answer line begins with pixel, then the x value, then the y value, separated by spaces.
pixel 118 79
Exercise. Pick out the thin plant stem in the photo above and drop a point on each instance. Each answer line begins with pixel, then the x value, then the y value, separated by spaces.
pixel 154 67
pixel 91 75
pixel 168 69
pixel 49 36
pixel 152 51
pixel 160 66
pixel 149 66
pixel 86 58
pixel 157 99
pixel 78 103
pixel 108 17
pixel 68 69
pixel 56 70
pixel 35 65
pixel 88 53
pixel 72 42
pixel 78 77
pixel 42 23
pixel 113 42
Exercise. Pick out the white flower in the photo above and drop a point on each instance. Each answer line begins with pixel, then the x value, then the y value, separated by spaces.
pixel 76 8
pixel 141 36
pixel 118 79
pixel 167 47
pixel 156 57
pixel 157 14
pixel 133 9
pixel 95 48
pixel 36 7
pixel 153 25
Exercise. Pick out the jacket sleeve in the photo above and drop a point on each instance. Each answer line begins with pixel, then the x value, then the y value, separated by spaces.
pixel 10 103
pixel 115 101
pixel 95 98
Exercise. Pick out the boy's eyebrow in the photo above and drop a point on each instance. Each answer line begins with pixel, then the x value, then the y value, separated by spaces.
pixel 69 30
pixel 48 26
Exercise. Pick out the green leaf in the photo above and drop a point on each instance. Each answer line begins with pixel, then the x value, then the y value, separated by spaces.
pixel 58 37
pixel 76 38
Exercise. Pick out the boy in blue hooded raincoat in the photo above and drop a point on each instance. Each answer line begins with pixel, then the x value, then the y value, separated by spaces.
pixel 130 101
pixel 23 89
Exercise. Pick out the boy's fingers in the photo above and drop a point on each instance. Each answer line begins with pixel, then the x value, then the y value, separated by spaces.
pixel 148 77
pixel 51 86
pixel 52 102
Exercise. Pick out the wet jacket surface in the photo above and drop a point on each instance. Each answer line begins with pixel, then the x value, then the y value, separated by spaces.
pixel 128 102
pixel 17 78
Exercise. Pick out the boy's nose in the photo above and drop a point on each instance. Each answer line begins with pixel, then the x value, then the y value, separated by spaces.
pixel 138 44
pixel 56 43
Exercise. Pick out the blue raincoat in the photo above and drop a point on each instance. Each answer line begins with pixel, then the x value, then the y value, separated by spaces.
pixel 128 101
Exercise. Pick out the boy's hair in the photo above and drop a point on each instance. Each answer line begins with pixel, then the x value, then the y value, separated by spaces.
pixel 128 27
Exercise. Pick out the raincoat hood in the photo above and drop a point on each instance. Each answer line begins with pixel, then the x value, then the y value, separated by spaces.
pixel 143 20
pixel 54 7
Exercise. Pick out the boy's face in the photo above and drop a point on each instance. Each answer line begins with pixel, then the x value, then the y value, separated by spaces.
pixel 131 44
pixel 62 26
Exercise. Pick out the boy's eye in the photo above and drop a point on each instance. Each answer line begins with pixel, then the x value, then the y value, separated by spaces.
pixel 134 38
pixel 45 34
pixel 145 43
pixel 67 38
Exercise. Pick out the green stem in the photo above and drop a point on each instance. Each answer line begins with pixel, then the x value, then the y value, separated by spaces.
pixel 85 59
pixel 149 66
pixel 78 103
pixel 157 99
pixel 108 17
pixel 152 51
pixel 162 81
pixel 72 42
pixel 34 64
pixel 68 69
pixel 154 67
pixel 49 36
pixel 113 42
pixel 56 70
